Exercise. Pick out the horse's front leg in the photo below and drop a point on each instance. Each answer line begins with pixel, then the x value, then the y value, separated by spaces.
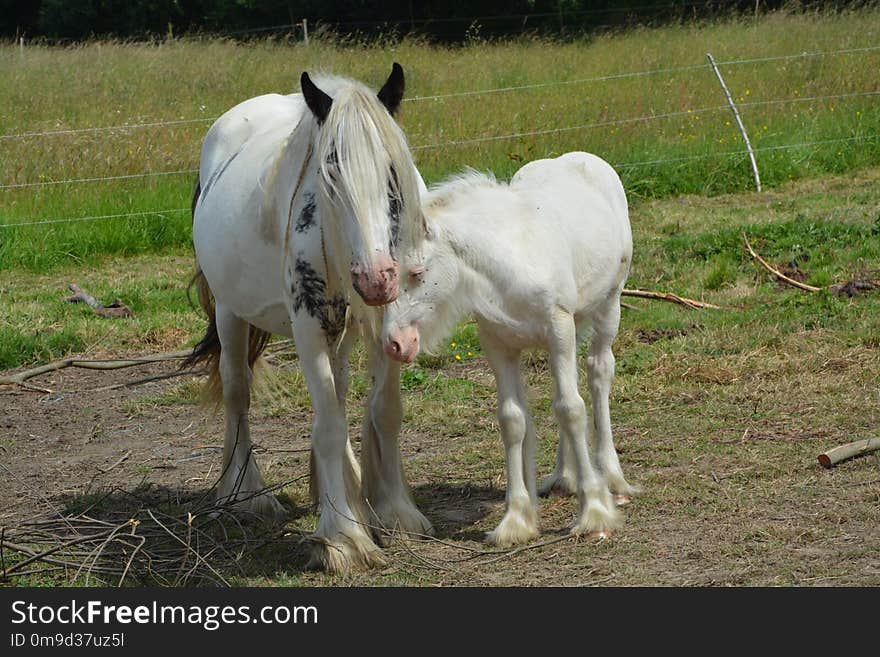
pixel 342 539
pixel 384 483
pixel 520 521
pixel 241 483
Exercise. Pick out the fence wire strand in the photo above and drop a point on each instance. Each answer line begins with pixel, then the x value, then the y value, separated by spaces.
pixel 619 165
pixel 476 92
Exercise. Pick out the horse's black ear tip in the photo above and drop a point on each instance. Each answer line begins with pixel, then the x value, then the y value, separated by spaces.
pixel 397 68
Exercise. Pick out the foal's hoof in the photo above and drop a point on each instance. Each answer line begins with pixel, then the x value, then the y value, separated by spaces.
pixel 622 500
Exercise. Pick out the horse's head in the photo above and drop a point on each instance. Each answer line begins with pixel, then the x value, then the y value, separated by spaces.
pixel 368 186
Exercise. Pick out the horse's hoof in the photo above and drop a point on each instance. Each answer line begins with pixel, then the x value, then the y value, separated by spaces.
pixel 622 500
pixel 558 485
pixel 344 556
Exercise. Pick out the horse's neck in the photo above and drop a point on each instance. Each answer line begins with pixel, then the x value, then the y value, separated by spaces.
pixel 477 289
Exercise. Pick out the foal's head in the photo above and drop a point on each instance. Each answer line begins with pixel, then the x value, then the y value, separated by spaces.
pixel 430 301
pixel 368 187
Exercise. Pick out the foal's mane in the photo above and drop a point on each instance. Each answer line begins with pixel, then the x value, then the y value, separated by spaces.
pixel 457 187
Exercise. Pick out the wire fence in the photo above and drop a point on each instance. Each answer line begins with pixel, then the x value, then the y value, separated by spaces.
pixel 617 165
pixel 477 139
pixel 479 92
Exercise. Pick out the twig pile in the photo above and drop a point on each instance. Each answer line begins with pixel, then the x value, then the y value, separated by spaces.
pixel 139 546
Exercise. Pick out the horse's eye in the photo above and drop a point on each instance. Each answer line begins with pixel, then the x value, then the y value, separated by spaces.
pixel 417 272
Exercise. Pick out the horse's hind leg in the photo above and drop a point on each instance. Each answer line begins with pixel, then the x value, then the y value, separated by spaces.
pixel 241 483
pixel 384 483
pixel 600 373
pixel 520 521
pixel 597 511
pixel 563 479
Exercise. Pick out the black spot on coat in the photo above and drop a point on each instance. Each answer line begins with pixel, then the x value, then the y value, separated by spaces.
pixel 306 217
pixel 310 292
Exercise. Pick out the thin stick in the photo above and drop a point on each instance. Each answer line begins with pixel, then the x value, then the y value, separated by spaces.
pixel 117 462
pixel 843 452
pixel 20 377
pixel 668 296
pixel 778 274
pixel 149 379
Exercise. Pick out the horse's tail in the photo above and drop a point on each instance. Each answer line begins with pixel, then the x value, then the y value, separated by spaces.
pixel 207 351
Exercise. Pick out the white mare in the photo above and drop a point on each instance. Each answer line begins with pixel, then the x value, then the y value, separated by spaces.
pixel 302 204
pixel 540 262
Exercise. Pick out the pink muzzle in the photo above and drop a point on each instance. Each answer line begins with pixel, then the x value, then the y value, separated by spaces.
pixel 402 344
pixel 379 284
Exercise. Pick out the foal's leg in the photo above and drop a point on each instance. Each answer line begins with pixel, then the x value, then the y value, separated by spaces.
pixel 600 373
pixel 563 479
pixel 384 482
pixel 240 482
pixel 342 541
pixel 597 511
pixel 520 521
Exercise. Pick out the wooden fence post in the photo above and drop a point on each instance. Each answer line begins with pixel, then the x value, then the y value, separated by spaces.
pixel 739 122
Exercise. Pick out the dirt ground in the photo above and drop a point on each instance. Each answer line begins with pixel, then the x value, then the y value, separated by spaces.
pixel 714 521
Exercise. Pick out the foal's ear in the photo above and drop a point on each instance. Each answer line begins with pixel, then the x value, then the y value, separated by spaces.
pixel 391 92
pixel 317 100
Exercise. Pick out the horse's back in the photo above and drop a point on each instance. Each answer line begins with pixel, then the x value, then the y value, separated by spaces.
pixel 586 168
pixel 237 238
pixel 238 125
pixel 587 217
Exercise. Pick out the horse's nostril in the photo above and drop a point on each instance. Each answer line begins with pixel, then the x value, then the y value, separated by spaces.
pixel 395 346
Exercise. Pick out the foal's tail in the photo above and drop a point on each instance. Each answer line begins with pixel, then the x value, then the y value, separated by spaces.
pixel 207 351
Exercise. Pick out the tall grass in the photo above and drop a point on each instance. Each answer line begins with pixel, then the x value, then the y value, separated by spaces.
pixel 113 84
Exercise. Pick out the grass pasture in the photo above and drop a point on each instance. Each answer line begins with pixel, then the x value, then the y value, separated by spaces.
pixel 718 414
pixel 798 107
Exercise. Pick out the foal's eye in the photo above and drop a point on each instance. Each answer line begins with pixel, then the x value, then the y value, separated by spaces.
pixel 417 273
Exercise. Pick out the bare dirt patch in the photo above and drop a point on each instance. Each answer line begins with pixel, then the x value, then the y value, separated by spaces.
pixel 746 508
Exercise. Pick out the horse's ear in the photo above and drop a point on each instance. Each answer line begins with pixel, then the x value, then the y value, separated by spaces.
pixel 391 93
pixel 317 100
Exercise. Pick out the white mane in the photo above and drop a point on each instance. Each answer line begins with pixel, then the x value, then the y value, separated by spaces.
pixel 458 187
pixel 368 143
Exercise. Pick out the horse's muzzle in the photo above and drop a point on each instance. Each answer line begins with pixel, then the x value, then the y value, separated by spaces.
pixel 379 284
pixel 402 344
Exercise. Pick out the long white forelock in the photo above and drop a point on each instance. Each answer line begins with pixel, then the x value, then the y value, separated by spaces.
pixel 367 143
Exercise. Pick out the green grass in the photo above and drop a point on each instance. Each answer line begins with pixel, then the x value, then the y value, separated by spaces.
pixel 110 84
pixel 718 415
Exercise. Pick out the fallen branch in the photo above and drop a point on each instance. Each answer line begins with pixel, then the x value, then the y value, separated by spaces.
pixel 778 274
pixel 668 296
pixel 20 377
pixel 837 454
pixel 115 309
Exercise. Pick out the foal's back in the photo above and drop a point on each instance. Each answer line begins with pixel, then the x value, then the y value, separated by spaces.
pixel 578 202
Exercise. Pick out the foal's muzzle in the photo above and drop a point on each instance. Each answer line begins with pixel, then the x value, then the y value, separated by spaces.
pixel 402 344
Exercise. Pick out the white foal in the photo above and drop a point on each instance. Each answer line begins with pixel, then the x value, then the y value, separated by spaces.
pixel 540 262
